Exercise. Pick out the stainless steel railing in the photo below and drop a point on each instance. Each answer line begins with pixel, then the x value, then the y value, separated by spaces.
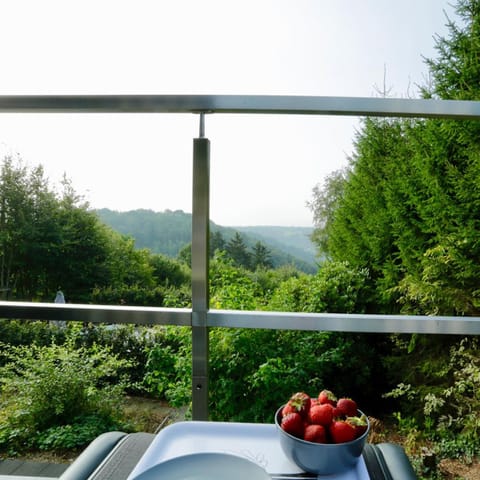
pixel 334 322
pixel 200 317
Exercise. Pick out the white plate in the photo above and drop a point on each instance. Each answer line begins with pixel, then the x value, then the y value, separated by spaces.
pixel 205 466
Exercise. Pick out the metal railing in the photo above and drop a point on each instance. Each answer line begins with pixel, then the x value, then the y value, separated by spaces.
pixel 200 317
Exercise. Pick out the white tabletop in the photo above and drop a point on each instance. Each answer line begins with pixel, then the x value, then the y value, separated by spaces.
pixel 256 442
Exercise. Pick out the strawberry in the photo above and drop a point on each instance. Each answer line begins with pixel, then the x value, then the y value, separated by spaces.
pixel 347 406
pixel 337 413
pixel 315 433
pixel 326 396
pixel 288 408
pixel 359 423
pixel 300 402
pixel 341 431
pixel 293 424
pixel 321 414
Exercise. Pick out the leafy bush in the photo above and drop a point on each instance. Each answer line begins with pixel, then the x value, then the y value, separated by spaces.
pixel 449 411
pixel 248 387
pixel 253 371
pixel 127 342
pixel 76 434
pixel 168 370
pixel 337 287
pixel 230 286
pixel 453 412
pixel 47 388
pixel 18 332
pixel 138 295
pixel 180 297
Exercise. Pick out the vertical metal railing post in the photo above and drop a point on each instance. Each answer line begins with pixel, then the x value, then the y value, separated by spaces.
pixel 200 303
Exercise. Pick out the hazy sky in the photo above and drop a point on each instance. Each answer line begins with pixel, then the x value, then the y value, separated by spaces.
pixel 264 167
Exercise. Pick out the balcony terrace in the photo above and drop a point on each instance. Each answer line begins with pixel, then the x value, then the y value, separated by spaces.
pixel 200 317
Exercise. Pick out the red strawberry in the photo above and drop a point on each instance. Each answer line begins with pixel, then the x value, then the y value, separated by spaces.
pixel 326 396
pixel 359 423
pixel 300 402
pixel 347 406
pixel 337 413
pixel 321 414
pixel 315 433
pixel 288 408
pixel 342 431
pixel 293 424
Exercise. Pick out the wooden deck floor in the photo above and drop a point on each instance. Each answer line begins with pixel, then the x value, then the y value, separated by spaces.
pixel 32 469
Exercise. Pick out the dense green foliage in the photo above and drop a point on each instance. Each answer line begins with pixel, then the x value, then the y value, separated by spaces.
pixel 51 241
pixel 407 210
pixel 169 233
pixel 445 412
pixel 246 387
pixel 58 396
pixel 161 232
pixel 408 206
pixel 47 240
pixel 283 361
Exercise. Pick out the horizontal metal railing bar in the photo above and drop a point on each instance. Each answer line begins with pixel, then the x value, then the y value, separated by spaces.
pixel 96 313
pixel 348 322
pixel 266 104
pixel 340 322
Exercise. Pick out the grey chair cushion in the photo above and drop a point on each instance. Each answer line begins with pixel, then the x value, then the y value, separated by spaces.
pixel 123 458
pixel 89 460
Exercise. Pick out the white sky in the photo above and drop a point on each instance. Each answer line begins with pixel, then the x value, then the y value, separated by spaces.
pixel 263 168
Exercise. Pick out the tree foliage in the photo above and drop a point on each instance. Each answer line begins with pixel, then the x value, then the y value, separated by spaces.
pixel 27 227
pixel 237 250
pixel 408 209
pixel 261 256
pixel 336 288
pixel 51 240
pixel 455 71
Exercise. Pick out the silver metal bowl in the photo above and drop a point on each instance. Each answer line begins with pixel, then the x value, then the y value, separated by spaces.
pixel 321 458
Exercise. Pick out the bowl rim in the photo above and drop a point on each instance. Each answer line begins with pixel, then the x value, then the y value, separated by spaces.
pixel 328 445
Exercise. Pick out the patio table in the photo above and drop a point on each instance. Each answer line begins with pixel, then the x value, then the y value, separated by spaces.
pixel 258 443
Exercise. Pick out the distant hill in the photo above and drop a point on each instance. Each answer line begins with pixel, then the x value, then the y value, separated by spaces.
pixel 294 240
pixel 169 231
pixel 161 232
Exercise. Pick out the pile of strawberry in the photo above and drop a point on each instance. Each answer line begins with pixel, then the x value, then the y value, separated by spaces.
pixel 323 419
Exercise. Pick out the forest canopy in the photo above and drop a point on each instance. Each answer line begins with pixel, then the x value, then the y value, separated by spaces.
pixel 407 207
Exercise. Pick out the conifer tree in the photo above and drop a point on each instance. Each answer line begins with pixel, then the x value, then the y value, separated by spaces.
pixel 409 208
pixel 237 251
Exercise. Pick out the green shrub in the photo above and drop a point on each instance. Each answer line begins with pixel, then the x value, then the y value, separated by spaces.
pixel 252 371
pixel 76 434
pixel 129 295
pixel 25 332
pixel 453 412
pixel 126 342
pixel 450 409
pixel 168 369
pixel 44 388
pixel 337 287
pixel 230 285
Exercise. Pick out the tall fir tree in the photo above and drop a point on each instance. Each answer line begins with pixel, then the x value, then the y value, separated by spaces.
pixel 409 208
pixel 236 249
